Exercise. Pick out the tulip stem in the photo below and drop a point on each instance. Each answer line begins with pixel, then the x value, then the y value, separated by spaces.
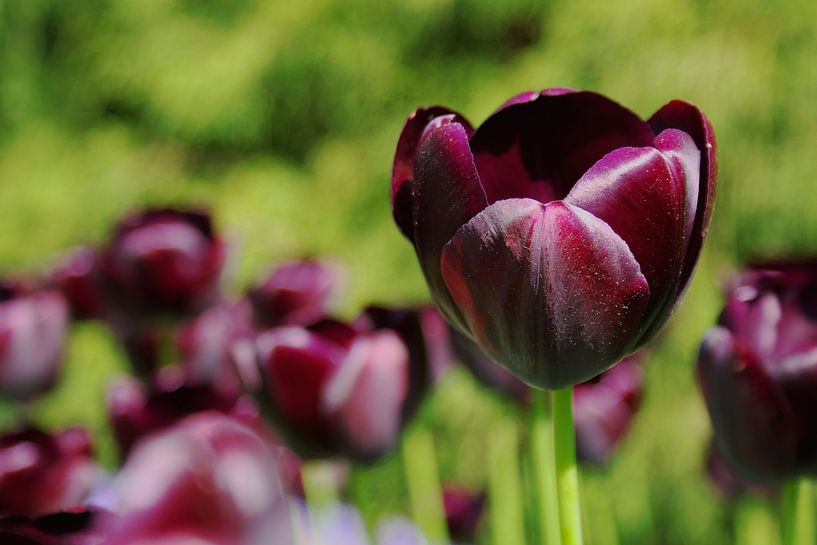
pixel 505 500
pixel 567 473
pixel 542 462
pixel 425 492
pixel 798 514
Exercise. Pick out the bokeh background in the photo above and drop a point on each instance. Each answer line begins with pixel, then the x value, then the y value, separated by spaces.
pixel 283 116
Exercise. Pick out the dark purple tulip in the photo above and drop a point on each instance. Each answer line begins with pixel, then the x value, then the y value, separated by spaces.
pixel 77 278
pixel 42 473
pixel 64 528
pixel 463 513
pixel 561 232
pixel 209 480
pixel 758 373
pixel 163 261
pixel 295 293
pixel 32 333
pixel 136 411
pixel 344 389
pixel 604 407
pixel 726 482
pixel 217 346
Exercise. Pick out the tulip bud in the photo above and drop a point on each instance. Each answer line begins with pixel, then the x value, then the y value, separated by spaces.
pixel 344 389
pixel 758 373
pixel 136 411
pixel 296 293
pixel 208 479
pixel 463 513
pixel 561 233
pixel 42 473
pixel 163 261
pixel 77 278
pixel 32 332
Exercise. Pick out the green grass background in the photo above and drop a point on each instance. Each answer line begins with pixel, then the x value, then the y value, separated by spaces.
pixel 283 117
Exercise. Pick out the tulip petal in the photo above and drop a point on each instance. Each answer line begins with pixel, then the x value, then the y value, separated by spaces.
pixel 549 291
pixel 637 192
pixel 402 175
pixel 446 193
pixel 690 119
pixel 754 423
pixel 539 148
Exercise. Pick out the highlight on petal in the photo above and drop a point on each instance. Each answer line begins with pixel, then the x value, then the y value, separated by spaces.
pixel 755 426
pixel 550 291
pixel 446 193
pixel 402 175
pixel 688 118
pixel 638 193
pixel 540 148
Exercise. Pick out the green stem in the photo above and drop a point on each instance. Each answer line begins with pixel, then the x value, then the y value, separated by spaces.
pixel 798 514
pixel 754 525
pixel 425 493
pixel 542 463
pixel 504 486
pixel 567 474
pixel 320 485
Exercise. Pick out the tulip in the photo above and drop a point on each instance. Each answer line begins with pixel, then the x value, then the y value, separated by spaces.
pixel 561 233
pixel 207 480
pixel 724 480
pixel 295 293
pixel 758 373
pixel 64 528
pixel 77 278
pixel 136 411
pixel 32 334
pixel 463 513
pixel 163 261
pixel 42 473
pixel 343 388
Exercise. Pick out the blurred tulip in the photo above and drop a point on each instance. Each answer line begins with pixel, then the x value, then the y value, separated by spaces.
pixel 604 407
pixel 217 346
pixel 463 513
pixel 295 293
pixel 77 278
pixel 207 480
pixel 344 389
pixel 32 333
pixel 758 373
pixel 42 473
pixel 729 485
pixel 163 261
pixel 560 233
pixel 64 528
pixel 136 411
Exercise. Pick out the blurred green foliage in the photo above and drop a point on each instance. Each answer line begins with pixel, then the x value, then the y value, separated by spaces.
pixel 283 117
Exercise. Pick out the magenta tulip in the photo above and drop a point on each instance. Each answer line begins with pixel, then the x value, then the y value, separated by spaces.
pixel 463 513
pixel 561 233
pixel 207 480
pixel 163 261
pixel 32 333
pixel 42 473
pixel 77 278
pixel 758 373
pixel 295 293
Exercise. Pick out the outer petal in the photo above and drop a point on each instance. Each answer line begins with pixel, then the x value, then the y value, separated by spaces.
pixel 549 291
pixel 755 426
pixel 540 148
pixel 446 194
pixel 402 175
pixel 637 192
pixel 690 119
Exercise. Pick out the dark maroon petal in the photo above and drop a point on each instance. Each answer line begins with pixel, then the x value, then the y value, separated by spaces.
pixel 691 120
pixel 364 399
pixel 77 278
pixel 402 176
pixel 755 426
pixel 540 148
pixel 296 293
pixel 463 513
pixel 446 194
pixel 638 193
pixel 549 291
